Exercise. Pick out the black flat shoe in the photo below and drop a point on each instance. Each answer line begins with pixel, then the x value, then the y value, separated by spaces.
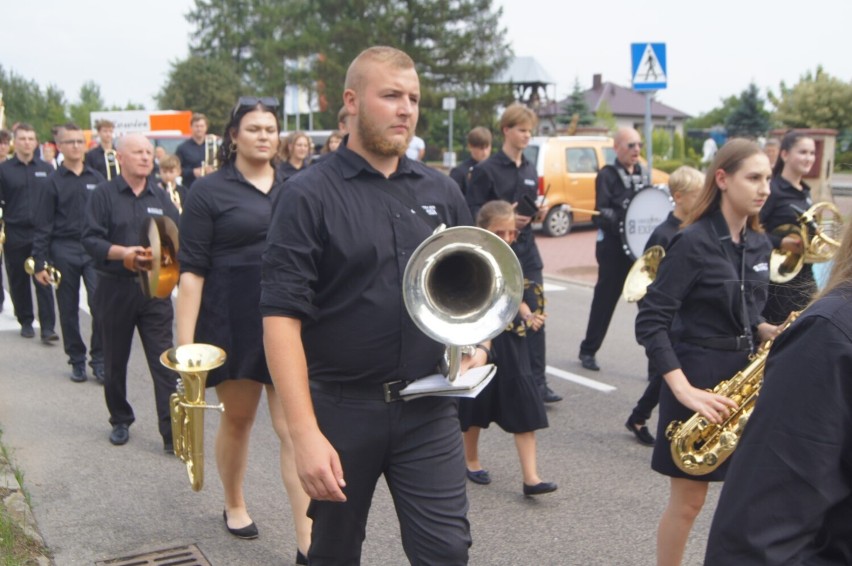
pixel 301 558
pixel 248 532
pixel 120 434
pixel 589 362
pixel 642 433
pixel 540 488
pixel 549 396
pixel 482 477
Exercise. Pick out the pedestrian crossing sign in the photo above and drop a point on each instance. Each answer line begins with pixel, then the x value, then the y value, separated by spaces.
pixel 649 66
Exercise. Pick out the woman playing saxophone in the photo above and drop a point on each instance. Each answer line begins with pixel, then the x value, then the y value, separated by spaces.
pixel 700 319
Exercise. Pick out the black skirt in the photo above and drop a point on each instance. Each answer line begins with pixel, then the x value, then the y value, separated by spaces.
pixel 230 319
pixel 704 368
pixel 511 399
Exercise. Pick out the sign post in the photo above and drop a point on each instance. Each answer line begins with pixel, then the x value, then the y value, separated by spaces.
pixel 449 104
pixel 649 75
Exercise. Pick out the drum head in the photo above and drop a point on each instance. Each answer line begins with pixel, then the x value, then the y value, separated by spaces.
pixel 647 209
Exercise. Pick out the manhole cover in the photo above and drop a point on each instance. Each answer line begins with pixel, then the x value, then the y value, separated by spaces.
pixel 182 555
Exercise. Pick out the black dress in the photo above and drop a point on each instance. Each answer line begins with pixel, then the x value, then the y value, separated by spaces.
pixel 794 295
pixel 511 399
pixel 692 317
pixel 222 236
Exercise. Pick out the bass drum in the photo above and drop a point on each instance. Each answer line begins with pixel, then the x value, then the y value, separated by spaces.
pixel 646 210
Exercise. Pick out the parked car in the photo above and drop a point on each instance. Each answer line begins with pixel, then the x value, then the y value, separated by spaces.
pixel 567 167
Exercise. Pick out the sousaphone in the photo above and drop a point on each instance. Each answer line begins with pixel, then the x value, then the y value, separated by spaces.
pixel 160 236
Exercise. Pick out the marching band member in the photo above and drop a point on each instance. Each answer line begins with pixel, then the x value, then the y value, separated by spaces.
pixel 192 152
pixel 796 158
pixel 112 236
pixel 222 235
pixel 22 180
pixel 58 241
pixel 614 186
pixel 788 498
pixel 339 342
pixel 169 172
pixel 96 157
pixel 295 154
pixel 685 184
pixel 699 318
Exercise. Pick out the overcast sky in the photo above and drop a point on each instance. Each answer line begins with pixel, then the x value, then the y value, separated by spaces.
pixel 714 49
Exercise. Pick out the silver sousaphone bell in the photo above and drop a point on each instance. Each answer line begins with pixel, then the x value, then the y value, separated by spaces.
pixel 461 286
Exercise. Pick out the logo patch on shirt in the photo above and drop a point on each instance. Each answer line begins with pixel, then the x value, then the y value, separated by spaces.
pixel 41 174
pixel 761 267
pixel 430 209
pixel 157 211
pixel 91 186
pixel 530 182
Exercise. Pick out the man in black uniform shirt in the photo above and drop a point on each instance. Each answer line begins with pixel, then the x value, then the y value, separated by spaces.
pixel 192 152
pixel 58 241
pixel 508 175
pixel 615 185
pixel 115 217
pixel 479 147
pixel 22 180
pixel 96 158
pixel 341 235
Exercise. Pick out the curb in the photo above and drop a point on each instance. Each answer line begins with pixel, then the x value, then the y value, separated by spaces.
pixel 16 507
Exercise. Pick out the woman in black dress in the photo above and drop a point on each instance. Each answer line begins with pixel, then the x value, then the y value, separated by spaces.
pixel 222 236
pixel 788 190
pixel 700 319
pixel 511 399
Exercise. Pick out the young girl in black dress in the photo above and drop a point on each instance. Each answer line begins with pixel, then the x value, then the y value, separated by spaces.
pixel 700 319
pixel 511 399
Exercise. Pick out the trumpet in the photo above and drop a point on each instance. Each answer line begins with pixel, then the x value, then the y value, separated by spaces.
pixel 187 405
pixel 53 273
pixel 174 195
pixel 211 163
pixel 111 160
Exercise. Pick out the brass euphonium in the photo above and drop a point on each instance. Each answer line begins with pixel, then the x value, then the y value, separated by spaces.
pixel 52 272
pixel 820 230
pixel 698 446
pixel 187 405
pixel 642 274
pixel 461 286
pixel 111 160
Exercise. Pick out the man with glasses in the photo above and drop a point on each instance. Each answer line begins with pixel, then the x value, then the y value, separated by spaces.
pixel 22 180
pixel 615 185
pixel 58 242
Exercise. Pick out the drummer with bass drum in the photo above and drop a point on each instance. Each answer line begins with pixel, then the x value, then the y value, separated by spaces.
pixel 615 185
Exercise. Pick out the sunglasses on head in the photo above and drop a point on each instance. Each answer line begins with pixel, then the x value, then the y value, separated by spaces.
pixel 252 101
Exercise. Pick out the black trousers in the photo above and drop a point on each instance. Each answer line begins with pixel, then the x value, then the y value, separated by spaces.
pixel 74 264
pixel 122 307
pixel 613 266
pixel 649 399
pixel 20 289
pixel 417 446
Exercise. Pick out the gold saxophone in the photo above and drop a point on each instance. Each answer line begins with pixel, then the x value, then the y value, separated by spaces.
pixel 698 446
pixel 187 405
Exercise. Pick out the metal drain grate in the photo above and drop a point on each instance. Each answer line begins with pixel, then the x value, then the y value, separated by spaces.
pixel 180 556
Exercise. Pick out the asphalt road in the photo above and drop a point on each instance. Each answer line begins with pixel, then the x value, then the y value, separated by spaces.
pixel 94 501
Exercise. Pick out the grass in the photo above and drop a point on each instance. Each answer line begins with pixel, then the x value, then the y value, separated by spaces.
pixel 16 549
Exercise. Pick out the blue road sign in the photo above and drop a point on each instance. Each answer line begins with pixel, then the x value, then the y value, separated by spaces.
pixel 649 66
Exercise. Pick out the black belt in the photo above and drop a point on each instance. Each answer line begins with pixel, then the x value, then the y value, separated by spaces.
pixel 387 392
pixel 729 343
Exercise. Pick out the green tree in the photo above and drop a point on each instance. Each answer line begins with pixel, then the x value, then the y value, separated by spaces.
pixel 818 100
pixel 89 100
pixel 211 86
pixel 715 117
pixel 749 118
pixel 26 102
pixel 576 104
pixel 458 46
pixel 604 116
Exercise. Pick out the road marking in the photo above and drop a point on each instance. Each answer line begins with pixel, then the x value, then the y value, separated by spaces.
pixel 552 287
pixel 579 379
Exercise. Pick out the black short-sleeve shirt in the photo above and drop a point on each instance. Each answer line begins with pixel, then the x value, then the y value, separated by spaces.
pixel 21 188
pixel 337 248
pixel 225 219
pixel 191 155
pixel 115 215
